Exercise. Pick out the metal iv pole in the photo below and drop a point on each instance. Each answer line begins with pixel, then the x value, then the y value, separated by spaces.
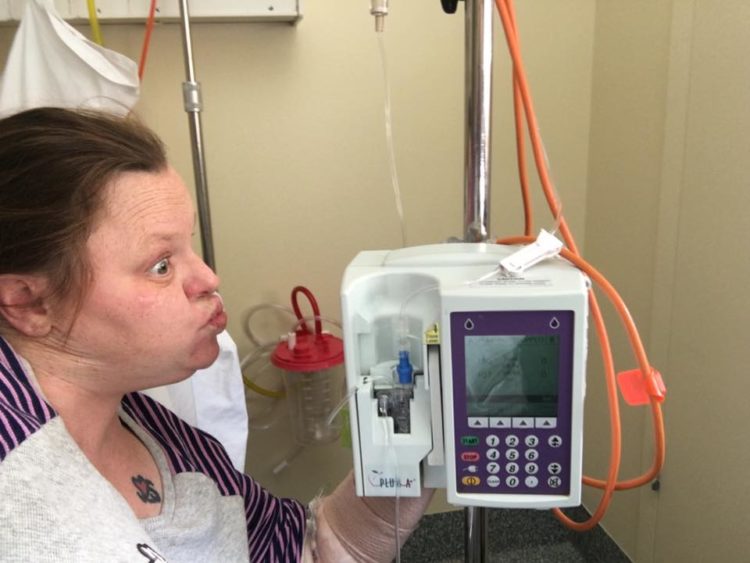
pixel 191 93
pixel 478 114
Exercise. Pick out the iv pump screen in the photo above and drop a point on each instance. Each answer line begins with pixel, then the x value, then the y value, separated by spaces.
pixel 512 375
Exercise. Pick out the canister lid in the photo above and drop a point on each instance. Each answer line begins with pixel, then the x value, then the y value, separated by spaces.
pixel 306 352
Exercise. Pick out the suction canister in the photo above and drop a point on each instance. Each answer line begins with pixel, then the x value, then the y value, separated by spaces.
pixel 313 372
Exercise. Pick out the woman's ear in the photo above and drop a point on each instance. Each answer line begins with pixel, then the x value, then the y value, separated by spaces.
pixel 23 303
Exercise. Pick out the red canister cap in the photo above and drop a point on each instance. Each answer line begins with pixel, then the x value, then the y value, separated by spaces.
pixel 306 351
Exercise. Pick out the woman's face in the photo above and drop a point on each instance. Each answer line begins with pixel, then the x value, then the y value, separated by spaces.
pixel 150 314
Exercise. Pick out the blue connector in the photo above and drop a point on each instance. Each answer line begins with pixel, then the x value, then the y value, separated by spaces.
pixel 404 368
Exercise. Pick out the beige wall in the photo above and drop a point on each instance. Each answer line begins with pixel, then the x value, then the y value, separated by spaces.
pixel 701 515
pixel 668 189
pixel 631 51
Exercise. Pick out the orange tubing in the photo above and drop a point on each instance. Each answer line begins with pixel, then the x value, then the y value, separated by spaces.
pixel 528 221
pixel 521 92
pixel 147 39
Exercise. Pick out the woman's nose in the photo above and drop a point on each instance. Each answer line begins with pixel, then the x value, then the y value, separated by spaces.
pixel 202 280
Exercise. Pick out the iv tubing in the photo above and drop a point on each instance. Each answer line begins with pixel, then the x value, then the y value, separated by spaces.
pixel 349 394
pixel 610 485
pixel 533 127
pixel 393 458
pixel 253 310
pixel 404 335
pixel 615 448
pixel 389 140
pixel 250 359
pixel 520 140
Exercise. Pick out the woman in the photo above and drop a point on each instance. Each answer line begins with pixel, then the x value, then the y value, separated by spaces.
pixel 101 295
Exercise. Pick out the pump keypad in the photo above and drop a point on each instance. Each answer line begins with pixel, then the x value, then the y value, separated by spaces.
pixel 525 456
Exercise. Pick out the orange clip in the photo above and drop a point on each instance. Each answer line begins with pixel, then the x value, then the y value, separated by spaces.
pixel 638 390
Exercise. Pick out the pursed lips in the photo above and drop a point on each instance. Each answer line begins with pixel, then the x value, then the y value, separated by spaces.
pixel 218 318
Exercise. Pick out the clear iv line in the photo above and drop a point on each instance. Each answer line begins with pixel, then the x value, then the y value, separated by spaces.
pixel 403 329
pixel 349 394
pixel 393 459
pixel 389 140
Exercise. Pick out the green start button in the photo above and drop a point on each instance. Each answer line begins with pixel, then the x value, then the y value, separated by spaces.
pixel 469 440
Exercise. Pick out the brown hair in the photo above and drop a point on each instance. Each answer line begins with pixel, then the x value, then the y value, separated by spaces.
pixel 54 166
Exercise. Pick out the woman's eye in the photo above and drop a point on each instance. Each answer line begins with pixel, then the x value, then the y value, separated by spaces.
pixel 161 268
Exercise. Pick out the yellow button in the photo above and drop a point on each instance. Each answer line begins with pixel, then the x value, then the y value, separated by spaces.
pixel 471 480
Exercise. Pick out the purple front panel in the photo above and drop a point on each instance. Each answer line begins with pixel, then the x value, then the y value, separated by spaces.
pixel 512 392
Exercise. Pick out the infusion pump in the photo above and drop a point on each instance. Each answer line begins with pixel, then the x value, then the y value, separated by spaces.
pixel 466 378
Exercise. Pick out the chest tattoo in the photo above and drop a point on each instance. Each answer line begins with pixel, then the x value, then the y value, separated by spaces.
pixel 146 490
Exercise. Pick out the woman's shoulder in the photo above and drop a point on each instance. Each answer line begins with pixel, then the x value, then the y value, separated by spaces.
pixel 23 411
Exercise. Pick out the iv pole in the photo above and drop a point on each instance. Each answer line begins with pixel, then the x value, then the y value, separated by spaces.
pixel 478 113
pixel 191 93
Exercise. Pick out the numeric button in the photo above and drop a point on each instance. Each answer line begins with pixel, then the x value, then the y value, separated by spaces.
pixel 492 441
pixel 531 441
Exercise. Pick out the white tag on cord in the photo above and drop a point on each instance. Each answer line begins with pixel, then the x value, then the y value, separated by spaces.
pixel 545 246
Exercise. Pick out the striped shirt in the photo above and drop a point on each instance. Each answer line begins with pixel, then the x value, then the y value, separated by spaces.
pixel 274 527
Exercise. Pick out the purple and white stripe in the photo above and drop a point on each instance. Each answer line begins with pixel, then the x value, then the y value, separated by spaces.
pixel 22 409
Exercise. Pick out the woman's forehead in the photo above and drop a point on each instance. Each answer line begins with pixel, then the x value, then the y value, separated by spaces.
pixel 148 199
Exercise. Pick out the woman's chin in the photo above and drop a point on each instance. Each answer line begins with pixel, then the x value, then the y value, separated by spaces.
pixel 206 354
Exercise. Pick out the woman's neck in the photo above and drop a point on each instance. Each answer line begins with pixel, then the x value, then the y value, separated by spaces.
pixel 71 386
